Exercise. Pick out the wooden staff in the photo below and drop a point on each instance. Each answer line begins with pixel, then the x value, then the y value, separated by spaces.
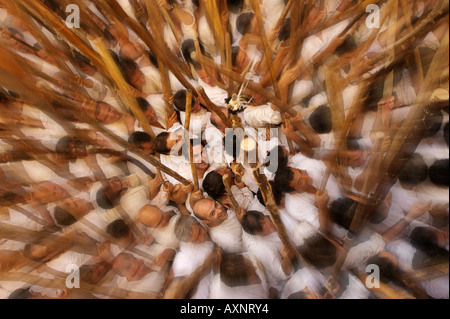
pixel 358 217
pixel 163 53
pixel 123 85
pixel 179 288
pixel 357 104
pixel 187 122
pixel 56 283
pixel 213 108
pixel 213 18
pixel 255 87
pixel 37 97
pixel 226 182
pixel 229 63
pixel 198 53
pixel 167 17
pixel 410 133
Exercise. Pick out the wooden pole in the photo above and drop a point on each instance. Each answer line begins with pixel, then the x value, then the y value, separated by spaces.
pixel 226 182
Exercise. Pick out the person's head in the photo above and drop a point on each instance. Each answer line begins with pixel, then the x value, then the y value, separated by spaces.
pixel 70 148
pixel 108 197
pixel 131 51
pixel 143 141
pixel 388 264
pixel 189 230
pixel 83 63
pixel 39 253
pixel 106 113
pixel 130 267
pixel 292 180
pixel 355 154
pixel 92 274
pixel 213 185
pixel 21 293
pixel 165 141
pixel 285 31
pixel 47 192
pixel 179 101
pixel 63 217
pixel 200 155
pixel 148 110
pixel 210 212
pixel 256 223
pixel 246 23
pixel 431 243
pixel 236 270
pixel 132 73
pixel 235 6
pixel 217 121
pixel 122 232
pixel 432 123
pixel 342 211
pixel 320 120
pixel 318 251
pixel 277 159
pixel 414 172
pixel 439 174
pixel 154 217
pixel 189 53
pixel 232 144
pixel 277 195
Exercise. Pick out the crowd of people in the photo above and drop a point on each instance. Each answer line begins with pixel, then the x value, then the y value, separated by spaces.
pixel 127 171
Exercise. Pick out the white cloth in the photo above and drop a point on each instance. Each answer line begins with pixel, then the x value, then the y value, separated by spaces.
pixel 228 235
pixel 260 116
pixel 304 278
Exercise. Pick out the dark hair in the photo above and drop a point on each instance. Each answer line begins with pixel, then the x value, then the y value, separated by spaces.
pixel 161 143
pixel 143 103
pixel 252 222
pixel 234 270
pixel 342 211
pixel 87 274
pixel 235 144
pixel 285 31
pixel 118 229
pixel 283 178
pixel 277 194
pixel 213 185
pixel 388 270
pixel 320 120
pixel 415 170
pixel 187 48
pixel 352 144
pixel 433 123
pixel 21 293
pixel 235 5
pixel 243 22
pixel 318 251
pixel 103 200
pixel 348 45
pixel 424 239
pixel 63 148
pixel 282 160
pixel 127 68
pixel 139 138
pixel 63 217
pixel 179 100
pixel 438 173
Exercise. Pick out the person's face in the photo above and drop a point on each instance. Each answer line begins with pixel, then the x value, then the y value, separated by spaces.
pixel 355 158
pixel 88 69
pixel 49 192
pixel 172 140
pixel 148 147
pixel 212 212
pixel 200 157
pixel 150 115
pixel 267 226
pixel 195 107
pixel 106 114
pixel 442 239
pixel 42 252
pixel 98 271
pixel 242 60
pixel 301 180
pixel 138 79
pixel 130 267
pixel 199 235
pixel 117 185
pixel 79 205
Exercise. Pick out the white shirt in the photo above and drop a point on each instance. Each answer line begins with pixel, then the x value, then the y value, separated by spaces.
pixel 228 235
